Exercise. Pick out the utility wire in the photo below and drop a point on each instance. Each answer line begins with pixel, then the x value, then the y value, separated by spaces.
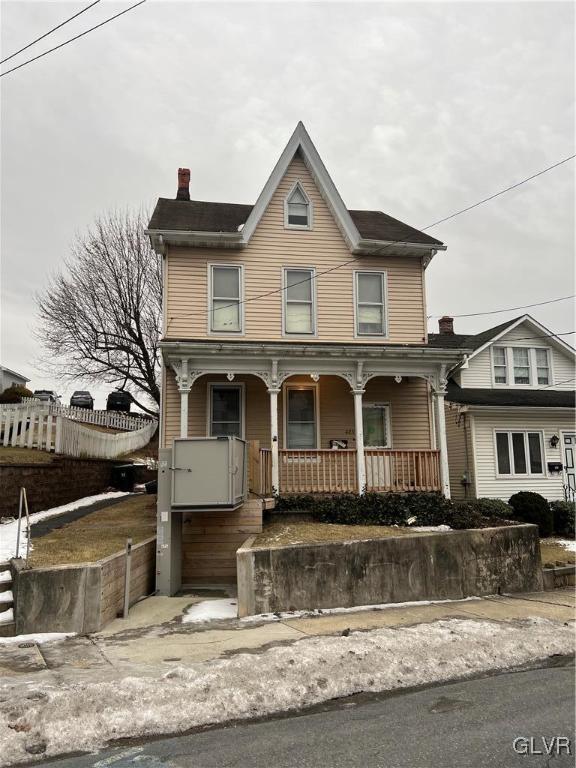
pixel 72 39
pixel 50 32
pixel 556 384
pixel 508 309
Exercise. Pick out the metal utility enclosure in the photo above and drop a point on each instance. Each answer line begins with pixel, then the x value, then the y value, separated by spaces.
pixel 208 472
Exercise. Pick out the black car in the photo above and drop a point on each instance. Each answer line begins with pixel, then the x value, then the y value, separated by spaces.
pixel 119 401
pixel 82 399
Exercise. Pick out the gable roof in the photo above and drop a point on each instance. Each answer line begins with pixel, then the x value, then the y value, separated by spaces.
pixel 235 223
pixel 527 398
pixel 479 341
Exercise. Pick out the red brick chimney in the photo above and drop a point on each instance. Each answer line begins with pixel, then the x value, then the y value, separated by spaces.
pixel 446 325
pixel 183 184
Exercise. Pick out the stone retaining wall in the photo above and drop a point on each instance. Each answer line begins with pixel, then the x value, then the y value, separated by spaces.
pixel 425 566
pixel 80 598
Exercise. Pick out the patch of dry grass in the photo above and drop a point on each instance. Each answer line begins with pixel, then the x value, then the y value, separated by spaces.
pixel 24 456
pixel 554 553
pixel 97 535
pixel 280 534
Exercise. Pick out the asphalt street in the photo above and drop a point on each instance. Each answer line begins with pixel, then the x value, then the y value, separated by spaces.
pixel 471 724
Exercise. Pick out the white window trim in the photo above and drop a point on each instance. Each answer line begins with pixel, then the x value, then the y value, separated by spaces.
pixel 298 185
pixel 235 384
pixel 509 431
pixel 387 408
pixel 314 331
pixel 533 367
pixel 240 267
pixel 316 390
pixel 384 275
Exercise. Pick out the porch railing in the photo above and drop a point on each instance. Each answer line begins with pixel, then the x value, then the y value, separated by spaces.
pixel 334 471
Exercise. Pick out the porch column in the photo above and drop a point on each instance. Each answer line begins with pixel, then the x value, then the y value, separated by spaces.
pixel 274 439
pixel 359 431
pixel 184 387
pixel 441 440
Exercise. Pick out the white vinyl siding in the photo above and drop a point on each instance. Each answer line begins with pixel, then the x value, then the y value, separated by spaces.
pixel 370 293
pixel 299 302
pixel 225 299
pixel 487 479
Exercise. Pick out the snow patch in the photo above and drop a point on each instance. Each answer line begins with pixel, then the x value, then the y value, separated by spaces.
pixel 9 530
pixel 5 576
pixel 39 639
pixel 430 528
pixel 7 617
pixel 210 610
pixel 6 596
pixel 72 717
pixel 568 544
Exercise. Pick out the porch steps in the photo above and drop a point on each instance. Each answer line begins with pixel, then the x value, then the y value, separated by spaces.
pixel 7 624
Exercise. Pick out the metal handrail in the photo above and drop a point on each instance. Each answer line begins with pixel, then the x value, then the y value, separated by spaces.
pixel 23 502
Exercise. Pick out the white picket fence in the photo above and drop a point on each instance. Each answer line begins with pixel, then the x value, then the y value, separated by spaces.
pixel 36 427
pixel 112 419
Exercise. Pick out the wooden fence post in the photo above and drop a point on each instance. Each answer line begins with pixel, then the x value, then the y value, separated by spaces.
pixel 254 466
pixel 127 578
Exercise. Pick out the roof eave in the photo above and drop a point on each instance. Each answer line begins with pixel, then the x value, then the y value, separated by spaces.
pixel 159 238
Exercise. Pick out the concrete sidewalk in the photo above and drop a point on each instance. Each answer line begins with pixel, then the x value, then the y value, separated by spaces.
pixel 154 638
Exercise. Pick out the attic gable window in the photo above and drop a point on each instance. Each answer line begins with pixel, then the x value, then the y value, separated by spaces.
pixel 297 209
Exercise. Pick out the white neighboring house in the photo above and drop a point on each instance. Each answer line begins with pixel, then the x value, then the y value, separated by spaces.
pixel 9 378
pixel 510 415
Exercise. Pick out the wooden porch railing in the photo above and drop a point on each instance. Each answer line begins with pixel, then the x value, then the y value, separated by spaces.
pixel 390 470
pixel 330 471
pixel 323 471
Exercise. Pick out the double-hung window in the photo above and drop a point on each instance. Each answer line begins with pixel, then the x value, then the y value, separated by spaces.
pixel 519 453
pixel 376 425
pixel 500 366
pixel 297 209
pixel 521 360
pixel 299 303
pixel 301 417
pixel 225 299
pixel 542 366
pixel 370 292
pixel 225 410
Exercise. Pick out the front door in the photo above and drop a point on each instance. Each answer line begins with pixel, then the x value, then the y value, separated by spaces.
pixel 569 468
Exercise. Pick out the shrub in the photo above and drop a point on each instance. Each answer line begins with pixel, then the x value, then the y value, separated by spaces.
pixel 563 513
pixel 464 515
pixel 14 394
pixel 493 508
pixel 530 507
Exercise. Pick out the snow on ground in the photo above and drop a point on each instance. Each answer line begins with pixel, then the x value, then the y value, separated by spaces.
pixel 5 576
pixel 55 719
pixel 8 530
pixel 208 610
pixel 39 639
pixel 7 616
pixel 569 544
pixel 430 528
pixel 6 596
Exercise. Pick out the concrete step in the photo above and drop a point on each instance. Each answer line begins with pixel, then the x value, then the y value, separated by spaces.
pixel 7 629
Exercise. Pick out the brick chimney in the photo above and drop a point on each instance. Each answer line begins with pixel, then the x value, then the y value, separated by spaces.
pixel 183 184
pixel 446 325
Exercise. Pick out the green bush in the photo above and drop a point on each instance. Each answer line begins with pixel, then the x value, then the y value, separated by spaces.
pixel 563 513
pixel 530 507
pixel 493 508
pixel 14 394
pixel 464 515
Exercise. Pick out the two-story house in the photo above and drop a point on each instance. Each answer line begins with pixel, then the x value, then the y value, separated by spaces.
pixel 300 326
pixel 510 412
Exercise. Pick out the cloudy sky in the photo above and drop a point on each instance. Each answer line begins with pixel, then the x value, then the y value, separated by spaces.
pixel 417 109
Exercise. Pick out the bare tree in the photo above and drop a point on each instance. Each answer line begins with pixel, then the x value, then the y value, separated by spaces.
pixel 101 316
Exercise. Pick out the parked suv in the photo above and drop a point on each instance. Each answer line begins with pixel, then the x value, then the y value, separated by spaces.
pixel 119 401
pixel 82 399
pixel 46 395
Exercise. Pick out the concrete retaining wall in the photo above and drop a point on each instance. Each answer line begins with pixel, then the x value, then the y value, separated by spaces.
pixel 425 566
pixel 80 598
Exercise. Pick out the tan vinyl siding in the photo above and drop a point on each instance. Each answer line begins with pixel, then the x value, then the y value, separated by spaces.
pixel 488 484
pixel 459 452
pixel 409 402
pixel 273 247
pixel 479 373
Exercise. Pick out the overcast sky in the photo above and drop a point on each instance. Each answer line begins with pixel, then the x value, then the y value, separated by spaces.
pixel 417 109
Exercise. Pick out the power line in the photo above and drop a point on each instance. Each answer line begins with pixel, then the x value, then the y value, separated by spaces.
pixel 49 32
pixel 72 39
pixel 543 336
pixel 556 384
pixel 394 242
pixel 508 309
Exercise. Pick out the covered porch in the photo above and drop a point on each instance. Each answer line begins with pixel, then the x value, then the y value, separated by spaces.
pixel 317 418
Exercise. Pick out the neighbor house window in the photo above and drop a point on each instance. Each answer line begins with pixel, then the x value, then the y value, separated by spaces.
pixel 225 410
pixel 500 367
pixel 298 209
pixel 376 425
pixel 542 366
pixel 519 453
pixel 521 359
pixel 225 299
pixel 299 309
pixel 370 303
pixel 301 418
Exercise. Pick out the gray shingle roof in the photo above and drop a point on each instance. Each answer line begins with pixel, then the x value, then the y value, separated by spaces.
pixel 469 341
pixel 535 398
pixel 198 216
